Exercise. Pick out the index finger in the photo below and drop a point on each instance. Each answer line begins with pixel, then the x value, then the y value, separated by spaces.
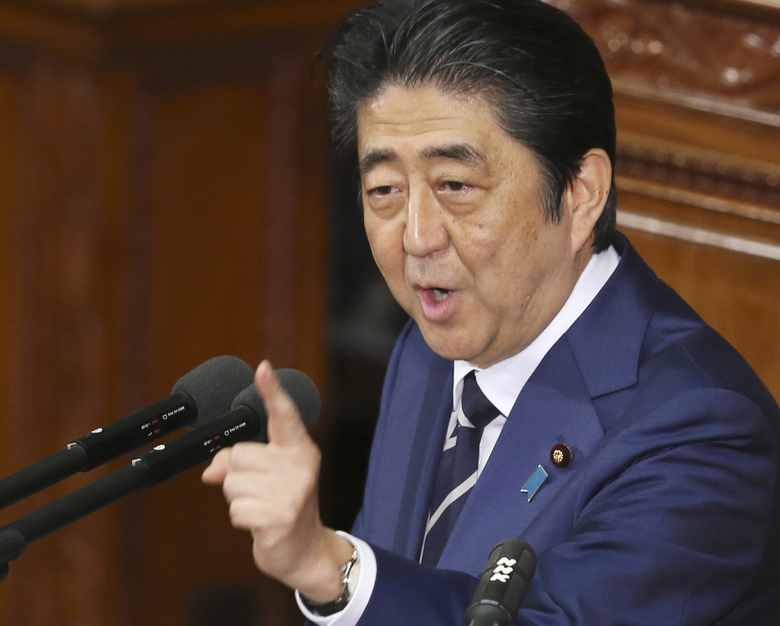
pixel 215 473
pixel 285 426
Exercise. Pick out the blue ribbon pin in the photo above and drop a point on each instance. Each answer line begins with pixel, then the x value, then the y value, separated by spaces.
pixel 532 484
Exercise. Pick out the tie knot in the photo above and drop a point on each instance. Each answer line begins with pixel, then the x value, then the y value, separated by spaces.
pixel 476 407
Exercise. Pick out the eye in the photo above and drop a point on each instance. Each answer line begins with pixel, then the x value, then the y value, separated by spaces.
pixel 384 190
pixel 384 199
pixel 455 186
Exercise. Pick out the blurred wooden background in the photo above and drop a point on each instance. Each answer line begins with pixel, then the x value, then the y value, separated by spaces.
pixel 168 194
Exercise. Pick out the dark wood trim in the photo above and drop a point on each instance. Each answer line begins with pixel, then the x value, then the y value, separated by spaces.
pixel 98 36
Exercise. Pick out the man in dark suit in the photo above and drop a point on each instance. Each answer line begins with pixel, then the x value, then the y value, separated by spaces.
pixel 548 386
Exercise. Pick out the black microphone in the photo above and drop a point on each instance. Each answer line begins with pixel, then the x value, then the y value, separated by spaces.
pixel 202 394
pixel 247 420
pixel 503 584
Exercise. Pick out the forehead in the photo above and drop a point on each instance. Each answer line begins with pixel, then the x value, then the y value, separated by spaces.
pixel 425 119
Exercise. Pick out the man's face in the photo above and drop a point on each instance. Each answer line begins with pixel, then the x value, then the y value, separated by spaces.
pixel 453 212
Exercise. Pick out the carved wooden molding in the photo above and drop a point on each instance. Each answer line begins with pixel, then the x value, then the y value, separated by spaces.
pixel 717 63
pixel 678 51
pixel 738 206
pixel 719 182
pixel 701 236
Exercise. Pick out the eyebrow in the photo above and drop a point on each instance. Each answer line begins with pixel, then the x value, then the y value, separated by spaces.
pixel 460 152
pixel 374 158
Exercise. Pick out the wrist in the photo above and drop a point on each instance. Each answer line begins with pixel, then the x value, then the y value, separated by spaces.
pixel 329 599
pixel 323 580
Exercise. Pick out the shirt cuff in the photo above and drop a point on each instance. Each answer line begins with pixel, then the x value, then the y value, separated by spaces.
pixel 365 587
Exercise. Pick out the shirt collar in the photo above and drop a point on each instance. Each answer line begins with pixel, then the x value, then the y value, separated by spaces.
pixel 502 382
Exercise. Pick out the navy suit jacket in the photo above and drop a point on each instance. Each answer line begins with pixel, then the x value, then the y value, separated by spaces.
pixel 667 514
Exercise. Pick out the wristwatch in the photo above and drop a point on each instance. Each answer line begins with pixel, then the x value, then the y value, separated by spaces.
pixel 323 609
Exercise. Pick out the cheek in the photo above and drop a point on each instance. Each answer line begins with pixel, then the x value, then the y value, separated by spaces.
pixel 386 242
pixel 503 259
pixel 497 247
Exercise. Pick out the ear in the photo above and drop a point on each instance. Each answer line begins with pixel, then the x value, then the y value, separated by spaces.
pixel 586 196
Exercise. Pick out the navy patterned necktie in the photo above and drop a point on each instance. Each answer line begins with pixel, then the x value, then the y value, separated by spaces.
pixel 457 471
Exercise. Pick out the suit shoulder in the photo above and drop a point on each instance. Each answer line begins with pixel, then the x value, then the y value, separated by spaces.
pixel 697 355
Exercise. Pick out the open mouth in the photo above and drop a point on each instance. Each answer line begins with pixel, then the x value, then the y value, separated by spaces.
pixel 440 295
pixel 436 302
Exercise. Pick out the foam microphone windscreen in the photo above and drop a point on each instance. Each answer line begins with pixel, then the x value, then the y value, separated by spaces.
pixel 301 389
pixel 214 385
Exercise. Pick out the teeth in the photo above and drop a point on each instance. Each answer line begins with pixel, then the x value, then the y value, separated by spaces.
pixel 440 294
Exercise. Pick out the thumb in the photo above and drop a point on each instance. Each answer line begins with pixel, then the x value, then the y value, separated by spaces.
pixel 285 426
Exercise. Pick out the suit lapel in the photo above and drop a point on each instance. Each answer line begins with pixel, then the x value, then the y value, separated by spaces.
pixel 553 407
pixel 426 449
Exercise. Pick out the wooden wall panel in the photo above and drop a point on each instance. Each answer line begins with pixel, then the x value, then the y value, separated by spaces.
pixel 165 204
pixel 62 348
pixel 226 173
pixel 8 309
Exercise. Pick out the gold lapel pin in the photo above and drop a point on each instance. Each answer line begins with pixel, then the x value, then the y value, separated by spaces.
pixel 561 455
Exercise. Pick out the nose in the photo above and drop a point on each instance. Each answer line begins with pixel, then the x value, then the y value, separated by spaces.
pixel 425 231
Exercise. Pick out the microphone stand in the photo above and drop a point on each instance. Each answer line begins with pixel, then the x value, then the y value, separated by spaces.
pixel 151 468
pixel 100 446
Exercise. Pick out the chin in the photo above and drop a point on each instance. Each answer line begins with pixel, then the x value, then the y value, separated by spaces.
pixel 449 347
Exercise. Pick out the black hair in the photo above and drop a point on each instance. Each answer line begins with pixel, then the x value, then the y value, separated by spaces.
pixel 539 70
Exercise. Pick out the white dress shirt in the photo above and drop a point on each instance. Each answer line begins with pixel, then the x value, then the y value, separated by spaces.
pixel 501 383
